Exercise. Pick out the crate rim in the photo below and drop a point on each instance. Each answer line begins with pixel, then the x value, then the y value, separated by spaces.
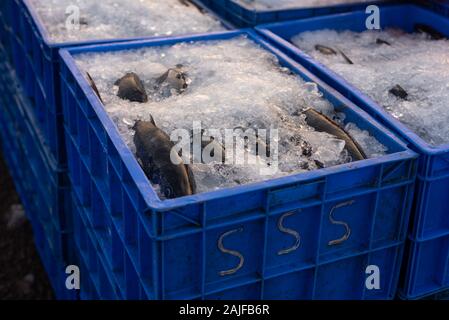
pixel 152 200
pixel 248 9
pixel 45 36
pixel 410 136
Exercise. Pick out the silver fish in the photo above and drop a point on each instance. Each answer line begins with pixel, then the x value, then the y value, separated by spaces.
pixel 131 88
pixel 174 79
pixel 399 92
pixel 346 57
pixel 321 123
pixel 189 3
pixel 154 152
pixel 329 51
pixel 382 41
pixel 325 50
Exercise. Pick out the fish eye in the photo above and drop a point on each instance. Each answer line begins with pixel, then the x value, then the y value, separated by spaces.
pixel 168 192
pixel 178 76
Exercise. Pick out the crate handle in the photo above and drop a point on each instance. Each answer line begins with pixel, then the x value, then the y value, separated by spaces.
pixel 231 252
pixel 290 232
pixel 333 221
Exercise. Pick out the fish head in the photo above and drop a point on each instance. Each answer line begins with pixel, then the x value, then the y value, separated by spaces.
pixel 131 88
pixel 177 79
pixel 141 124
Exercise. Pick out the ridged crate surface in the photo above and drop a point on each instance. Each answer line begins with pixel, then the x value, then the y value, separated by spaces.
pixel 428 258
pixel 42 188
pixel 145 248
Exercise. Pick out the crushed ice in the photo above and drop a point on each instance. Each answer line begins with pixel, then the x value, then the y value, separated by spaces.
pixel 234 83
pixel 109 19
pixel 413 61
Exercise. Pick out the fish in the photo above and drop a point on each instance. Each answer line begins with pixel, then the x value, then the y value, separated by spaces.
pixel 173 79
pixel 94 86
pixel 154 150
pixel 329 51
pixel 131 88
pixel 321 123
pixel 189 3
pixel 325 50
pixel 399 92
pixel 346 57
pixel 83 21
pixel 381 41
pixel 431 32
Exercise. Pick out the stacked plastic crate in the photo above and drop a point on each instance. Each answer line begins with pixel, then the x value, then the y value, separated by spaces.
pixel 38 170
pixel 426 267
pixel 243 13
pixel 130 244
pixel 33 133
pixel 142 247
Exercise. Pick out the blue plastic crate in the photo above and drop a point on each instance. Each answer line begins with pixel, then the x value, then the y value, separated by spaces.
pixel 49 198
pixel 5 29
pixel 55 267
pixel 43 188
pixel 155 249
pixel 35 59
pixel 96 283
pixel 50 180
pixel 244 16
pixel 430 216
pixel 444 295
pixel 49 240
pixel 439 6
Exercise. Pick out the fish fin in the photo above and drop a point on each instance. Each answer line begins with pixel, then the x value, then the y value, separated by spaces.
pixel 357 145
pixel 152 120
pixel 191 178
pixel 162 78
pixel 346 57
pixel 134 127
pixel 382 41
pixel 189 3
pixel 184 2
pixel 94 87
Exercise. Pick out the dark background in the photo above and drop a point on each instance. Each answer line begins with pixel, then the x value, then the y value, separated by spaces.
pixel 22 275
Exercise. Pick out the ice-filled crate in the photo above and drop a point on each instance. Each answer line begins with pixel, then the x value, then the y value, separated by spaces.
pixel 34 30
pixel 42 188
pixel 400 79
pixel 311 230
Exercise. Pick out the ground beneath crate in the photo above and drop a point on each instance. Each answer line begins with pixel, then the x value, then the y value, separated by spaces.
pixel 22 275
